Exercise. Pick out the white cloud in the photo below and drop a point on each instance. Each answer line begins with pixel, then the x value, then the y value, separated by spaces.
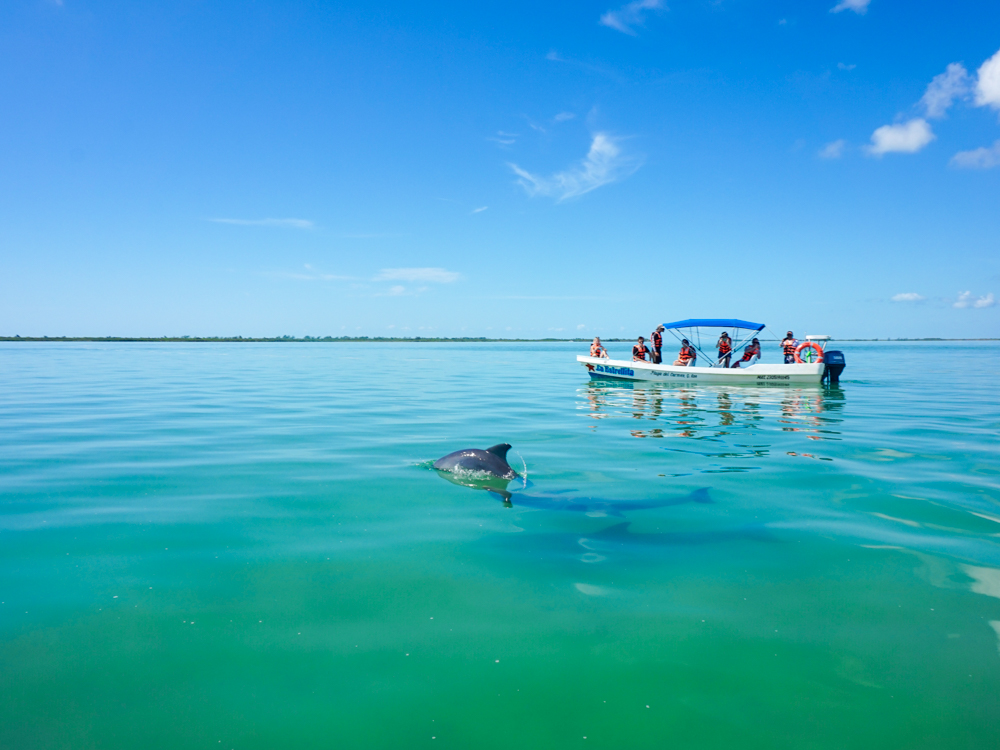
pixel 581 327
pixel 978 158
pixel 858 6
pixel 479 210
pixel 833 150
pixel 563 116
pixel 425 275
pixel 311 274
pixel 627 16
pixel 965 300
pixel 908 297
pixel 944 89
pixel 603 164
pixel 905 137
pixel 293 223
pixel 988 83
pixel 845 66
pixel 397 290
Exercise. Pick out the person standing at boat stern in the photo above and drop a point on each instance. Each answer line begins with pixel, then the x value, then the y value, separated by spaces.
pixel 725 345
pixel 688 356
pixel 639 351
pixel 788 346
pixel 657 340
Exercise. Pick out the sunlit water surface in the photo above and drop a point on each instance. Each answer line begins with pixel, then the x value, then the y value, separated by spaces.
pixel 241 546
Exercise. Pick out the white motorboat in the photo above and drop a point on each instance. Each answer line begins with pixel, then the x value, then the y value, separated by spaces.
pixel 812 363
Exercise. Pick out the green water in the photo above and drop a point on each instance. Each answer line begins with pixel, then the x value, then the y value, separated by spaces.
pixel 240 546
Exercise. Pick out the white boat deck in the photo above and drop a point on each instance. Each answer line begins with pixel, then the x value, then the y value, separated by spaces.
pixel 758 374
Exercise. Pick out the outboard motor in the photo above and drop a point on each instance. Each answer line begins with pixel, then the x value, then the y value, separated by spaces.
pixel 835 364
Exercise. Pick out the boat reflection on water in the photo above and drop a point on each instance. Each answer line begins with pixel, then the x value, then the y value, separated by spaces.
pixel 715 411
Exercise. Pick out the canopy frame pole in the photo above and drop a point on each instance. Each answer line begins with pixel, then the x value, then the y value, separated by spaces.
pixel 697 335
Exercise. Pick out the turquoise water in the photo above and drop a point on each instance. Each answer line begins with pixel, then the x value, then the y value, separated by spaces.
pixel 240 546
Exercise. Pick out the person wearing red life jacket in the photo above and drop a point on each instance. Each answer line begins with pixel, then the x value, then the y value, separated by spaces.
pixel 788 346
pixel 639 351
pixel 596 349
pixel 752 352
pixel 688 357
pixel 657 341
pixel 725 349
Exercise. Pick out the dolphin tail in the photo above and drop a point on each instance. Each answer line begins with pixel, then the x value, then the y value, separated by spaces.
pixel 617 530
pixel 701 496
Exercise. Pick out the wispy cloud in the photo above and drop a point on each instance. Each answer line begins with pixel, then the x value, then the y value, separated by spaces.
pixel 833 150
pixel 564 116
pixel 941 94
pixel 905 137
pixel 944 89
pixel 908 297
pixel 978 158
pixel 630 15
pixel 291 223
pixel 479 210
pixel 605 163
pixel 311 274
pixel 966 300
pixel 418 275
pixel 988 83
pixel 858 6
pixel 845 66
pixel 503 138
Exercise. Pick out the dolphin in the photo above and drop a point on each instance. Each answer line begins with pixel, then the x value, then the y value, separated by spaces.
pixel 492 462
pixel 598 506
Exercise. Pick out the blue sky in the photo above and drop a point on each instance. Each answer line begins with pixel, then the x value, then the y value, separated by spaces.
pixel 498 169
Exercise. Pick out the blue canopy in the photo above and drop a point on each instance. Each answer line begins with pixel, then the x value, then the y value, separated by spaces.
pixel 715 323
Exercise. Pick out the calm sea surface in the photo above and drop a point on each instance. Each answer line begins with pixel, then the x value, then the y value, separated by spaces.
pixel 242 546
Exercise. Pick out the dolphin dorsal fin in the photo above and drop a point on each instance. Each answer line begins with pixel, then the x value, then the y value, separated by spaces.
pixel 499 450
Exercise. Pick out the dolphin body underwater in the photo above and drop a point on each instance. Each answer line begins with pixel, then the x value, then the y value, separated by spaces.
pixel 488 470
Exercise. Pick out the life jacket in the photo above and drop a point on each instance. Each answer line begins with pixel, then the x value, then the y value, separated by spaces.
pixel 750 352
pixel 640 353
pixel 657 340
pixel 725 346
pixel 687 354
pixel 595 350
pixel 789 346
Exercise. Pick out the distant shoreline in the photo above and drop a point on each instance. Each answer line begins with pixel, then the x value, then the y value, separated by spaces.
pixel 361 339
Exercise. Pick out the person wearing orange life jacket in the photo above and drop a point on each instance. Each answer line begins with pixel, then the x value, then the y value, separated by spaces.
pixel 725 349
pixel 657 341
pixel 788 346
pixel 688 356
pixel 596 349
pixel 751 352
pixel 639 351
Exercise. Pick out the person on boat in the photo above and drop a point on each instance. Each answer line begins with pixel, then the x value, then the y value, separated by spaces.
pixel 639 351
pixel 657 340
pixel 751 353
pixel 725 349
pixel 688 356
pixel 596 350
pixel 788 346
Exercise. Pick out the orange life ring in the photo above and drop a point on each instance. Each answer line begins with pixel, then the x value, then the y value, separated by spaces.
pixel 809 345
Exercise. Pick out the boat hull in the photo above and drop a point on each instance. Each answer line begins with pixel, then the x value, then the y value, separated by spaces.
pixel 758 374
